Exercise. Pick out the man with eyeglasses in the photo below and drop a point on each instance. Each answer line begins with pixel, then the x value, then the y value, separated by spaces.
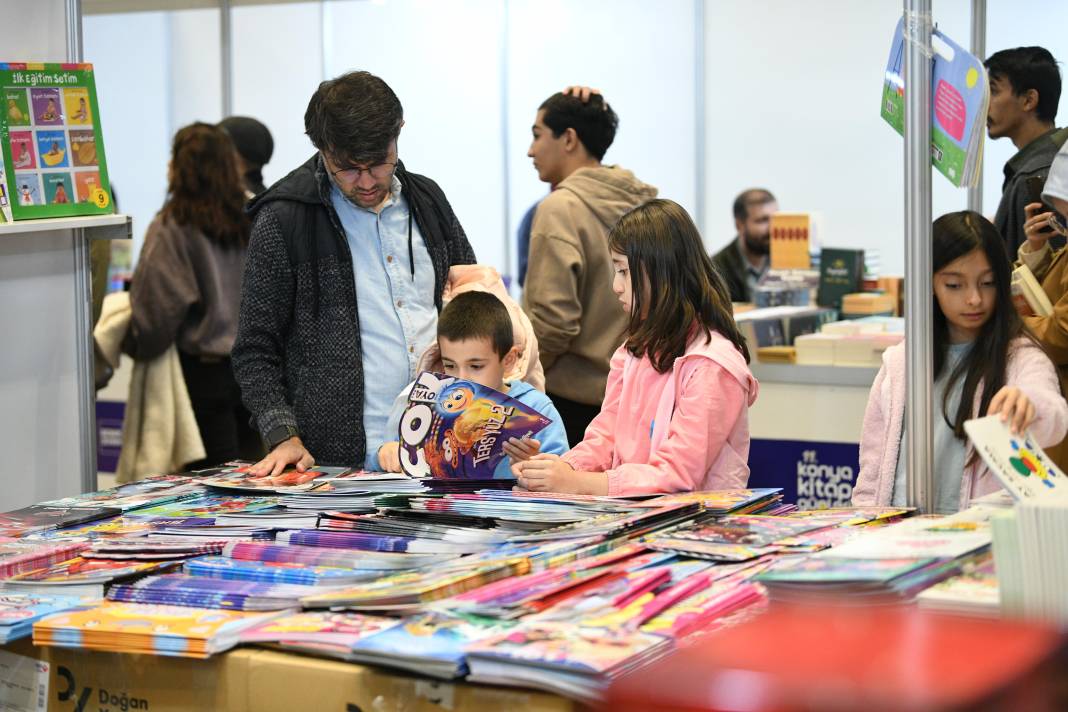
pixel 346 266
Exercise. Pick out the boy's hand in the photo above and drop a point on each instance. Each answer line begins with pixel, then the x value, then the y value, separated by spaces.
pixel 1015 408
pixel 521 449
pixel 288 452
pixel 389 457
pixel 1036 226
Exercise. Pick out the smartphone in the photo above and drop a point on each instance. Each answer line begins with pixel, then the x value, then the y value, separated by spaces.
pixel 1035 184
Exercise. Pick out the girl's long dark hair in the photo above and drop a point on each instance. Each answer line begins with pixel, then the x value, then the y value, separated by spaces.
pixel 205 190
pixel 956 235
pixel 670 269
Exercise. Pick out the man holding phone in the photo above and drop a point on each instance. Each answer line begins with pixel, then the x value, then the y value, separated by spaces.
pixel 1025 88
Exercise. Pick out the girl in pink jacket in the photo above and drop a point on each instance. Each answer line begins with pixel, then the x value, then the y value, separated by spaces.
pixel 675 415
pixel 985 362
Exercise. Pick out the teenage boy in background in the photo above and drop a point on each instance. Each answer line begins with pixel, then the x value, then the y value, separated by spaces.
pixel 1025 88
pixel 568 291
pixel 476 342
pixel 745 260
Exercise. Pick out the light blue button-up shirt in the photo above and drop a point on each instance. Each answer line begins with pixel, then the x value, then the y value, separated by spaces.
pixel 398 317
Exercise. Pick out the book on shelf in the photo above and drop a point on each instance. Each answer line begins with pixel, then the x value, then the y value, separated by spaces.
pixel 52 143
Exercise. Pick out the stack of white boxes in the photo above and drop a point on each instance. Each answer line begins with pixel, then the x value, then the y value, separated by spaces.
pixel 856 342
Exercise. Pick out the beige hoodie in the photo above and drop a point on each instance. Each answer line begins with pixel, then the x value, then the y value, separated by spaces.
pixel 568 295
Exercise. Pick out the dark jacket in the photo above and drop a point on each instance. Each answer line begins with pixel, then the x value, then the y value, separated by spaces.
pixel 1033 159
pixel 297 356
pixel 731 268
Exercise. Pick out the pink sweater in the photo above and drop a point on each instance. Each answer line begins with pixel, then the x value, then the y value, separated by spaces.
pixel 687 429
pixel 1029 369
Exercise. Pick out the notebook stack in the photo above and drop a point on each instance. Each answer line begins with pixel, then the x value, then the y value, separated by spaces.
pixel 1030 539
pixel 197 592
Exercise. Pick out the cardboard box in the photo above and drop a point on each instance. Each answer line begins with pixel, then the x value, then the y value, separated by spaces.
pixel 283 682
pixel 243 680
pixel 82 680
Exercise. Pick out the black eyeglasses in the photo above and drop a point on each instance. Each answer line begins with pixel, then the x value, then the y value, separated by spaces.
pixel 353 173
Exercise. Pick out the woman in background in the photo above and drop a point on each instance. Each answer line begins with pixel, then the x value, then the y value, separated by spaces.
pixel 187 286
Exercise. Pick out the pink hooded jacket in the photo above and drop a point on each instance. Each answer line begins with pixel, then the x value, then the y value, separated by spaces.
pixel 684 430
pixel 1029 369
pixel 479 278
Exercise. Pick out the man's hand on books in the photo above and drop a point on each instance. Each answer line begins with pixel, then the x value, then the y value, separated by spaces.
pixel 1015 408
pixel 1036 226
pixel 518 449
pixel 389 457
pixel 287 452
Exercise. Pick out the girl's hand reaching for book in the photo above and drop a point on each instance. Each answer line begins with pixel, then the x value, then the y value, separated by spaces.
pixel 1015 408
pixel 549 473
pixel 520 449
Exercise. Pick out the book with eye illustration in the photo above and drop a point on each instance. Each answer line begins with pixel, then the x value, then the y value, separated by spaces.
pixel 456 429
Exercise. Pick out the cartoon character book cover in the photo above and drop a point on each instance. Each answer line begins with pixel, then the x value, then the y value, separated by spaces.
pixel 456 429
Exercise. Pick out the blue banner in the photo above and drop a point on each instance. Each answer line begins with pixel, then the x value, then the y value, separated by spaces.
pixel 815 475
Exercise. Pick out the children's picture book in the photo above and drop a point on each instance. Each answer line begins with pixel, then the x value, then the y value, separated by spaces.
pixel 1016 460
pixel 52 143
pixel 133 495
pixel 147 628
pixel 431 643
pixel 1027 294
pixel 83 570
pixel 960 96
pixel 736 501
pixel 19 556
pixel 222 567
pixel 329 631
pixel 185 590
pixel 19 611
pixel 290 480
pixel 571 660
pixel 206 507
pixel 38 517
pixel 454 428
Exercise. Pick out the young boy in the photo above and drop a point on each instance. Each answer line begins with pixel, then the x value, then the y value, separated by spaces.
pixel 476 343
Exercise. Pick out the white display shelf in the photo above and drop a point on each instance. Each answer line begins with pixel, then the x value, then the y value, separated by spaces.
pixel 109 227
pixel 855 376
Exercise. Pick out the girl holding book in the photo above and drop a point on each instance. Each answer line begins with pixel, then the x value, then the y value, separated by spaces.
pixel 675 411
pixel 985 363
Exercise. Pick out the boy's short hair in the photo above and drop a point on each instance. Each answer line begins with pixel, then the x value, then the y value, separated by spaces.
pixel 477 315
pixel 1029 68
pixel 594 121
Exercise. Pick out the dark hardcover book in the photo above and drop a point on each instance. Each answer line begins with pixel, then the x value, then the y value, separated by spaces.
pixel 841 273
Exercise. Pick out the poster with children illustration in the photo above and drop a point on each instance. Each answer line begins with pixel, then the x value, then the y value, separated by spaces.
pixel 52 143
pixel 456 429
